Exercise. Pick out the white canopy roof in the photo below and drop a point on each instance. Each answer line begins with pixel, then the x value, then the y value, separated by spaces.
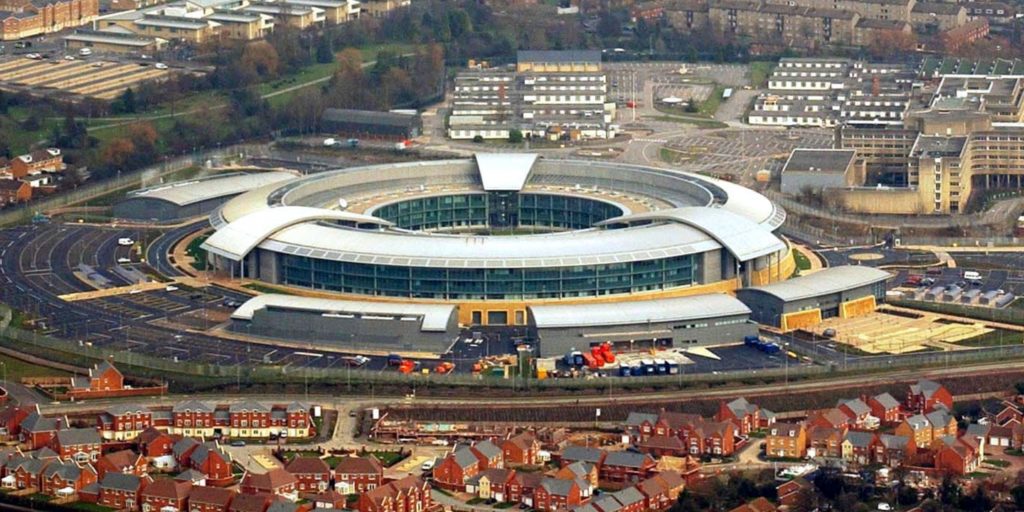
pixel 433 317
pixel 236 239
pixel 505 171
pixel 744 238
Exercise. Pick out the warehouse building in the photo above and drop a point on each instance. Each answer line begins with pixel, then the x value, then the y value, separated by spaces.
pixel 698 320
pixel 844 292
pixel 192 198
pixel 371 124
pixel 349 324
pixel 113 41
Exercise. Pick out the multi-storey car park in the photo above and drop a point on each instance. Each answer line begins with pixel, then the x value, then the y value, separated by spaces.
pixel 558 253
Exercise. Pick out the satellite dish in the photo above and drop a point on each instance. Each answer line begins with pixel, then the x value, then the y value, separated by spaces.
pixel 342 204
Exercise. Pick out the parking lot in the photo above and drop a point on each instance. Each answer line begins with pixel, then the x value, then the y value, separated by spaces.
pixel 741 153
pixel 96 78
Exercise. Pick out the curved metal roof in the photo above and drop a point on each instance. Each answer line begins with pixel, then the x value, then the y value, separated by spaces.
pixel 505 171
pixel 432 317
pixel 744 238
pixel 237 238
pixel 183 193
pixel 694 234
pixel 676 309
pixel 823 282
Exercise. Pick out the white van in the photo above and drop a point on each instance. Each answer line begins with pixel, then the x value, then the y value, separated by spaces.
pixel 125 241
pixel 972 275
pixel 85 52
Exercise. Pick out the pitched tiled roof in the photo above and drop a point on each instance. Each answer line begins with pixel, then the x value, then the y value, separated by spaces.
pixel 211 496
pixel 488 449
pixel 183 446
pixel 629 496
pixel 307 466
pixel 557 486
pixel 894 442
pixel 168 488
pixel 78 436
pixel 190 475
pixel 358 466
pixel 67 471
pixel 925 387
pixel 887 401
pixel 192 406
pixel 860 439
pixel 248 405
pixel 627 459
pixel 121 482
pixel 36 422
pixel 586 454
pixel 636 419
pixel 121 459
pixel 270 481
pixel 857 406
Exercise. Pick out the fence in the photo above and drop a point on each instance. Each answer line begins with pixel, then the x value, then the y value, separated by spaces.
pixel 132 179
pixel 199 374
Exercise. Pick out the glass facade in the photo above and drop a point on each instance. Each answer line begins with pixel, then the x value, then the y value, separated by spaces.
pixel 497 210
pixel 493 284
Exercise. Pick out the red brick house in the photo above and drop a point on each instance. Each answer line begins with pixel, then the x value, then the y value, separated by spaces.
pixel 885 408
pixel 711 438
pixel 312 473
pixel 250 503
pixel 795 493
pixel 38 431
pixel 455 469
pixel 557 495
pixel 80 444
pixel 660 446
pixel 410 494
pixel 45 160
pixel 66 478
pixel 640 426
pixel 124 422
pixel 1008 413
pixel 105 377
pixel 830 418
pixel 277 482
pixel 329 499
pixel 165 493
pixel 210 499
pixel 192 418
pixel 121 491
pixel 248 419
pixel 675 423
pixel 520 488
pixel 521 449
pixel 14 191
pixel 581 471
pixel 154 442
pixel 824 442
pixel 11 417
pixel 894 451
pixel 626 467
pixel 122 461
pixel 211 460
pixel 662 490
pixel 747 417
pixel 925 395
pixel 756 505
pixel 25 472
pixel 489 455
pixel 956 456
pixel 858 412
pixel 358 474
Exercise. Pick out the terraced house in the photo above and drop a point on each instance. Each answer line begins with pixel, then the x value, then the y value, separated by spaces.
pixel 21 18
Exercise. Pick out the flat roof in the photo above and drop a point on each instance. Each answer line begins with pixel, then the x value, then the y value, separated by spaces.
pixel 345 115
pixel 744 238
pixel 561 56
pixel 433 317
pixel 505 171
pixel 675 309
pixel 819 160
pixel 188 192
pixel 823 282
pixel 115 38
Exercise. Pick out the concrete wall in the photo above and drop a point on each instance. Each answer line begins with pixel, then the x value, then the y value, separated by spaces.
pixel 794 182
pixel 346 333
pixel 713 331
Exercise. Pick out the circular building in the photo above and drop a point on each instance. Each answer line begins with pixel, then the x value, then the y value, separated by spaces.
pixel 499 237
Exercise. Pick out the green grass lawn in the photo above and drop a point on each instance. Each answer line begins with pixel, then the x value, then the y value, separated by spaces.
pixel 995 338
pixel 802 263
pixel 16 369
pixel 704 124
pixel 759 73
pixel 999 463
pixel 256 287
pixel 88 507
pixel 194 250
pixel 387 458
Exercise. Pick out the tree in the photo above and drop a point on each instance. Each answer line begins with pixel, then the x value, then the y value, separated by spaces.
pixel 515 136
pixel 261 59
pixel 143 137
pixel 1018 496
pixel 126 102
pixel 478 139
pixel 117 152
pixel 608 25
pixel 324 50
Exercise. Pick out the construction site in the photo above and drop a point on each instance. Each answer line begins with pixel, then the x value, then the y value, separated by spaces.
pixel 893 330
